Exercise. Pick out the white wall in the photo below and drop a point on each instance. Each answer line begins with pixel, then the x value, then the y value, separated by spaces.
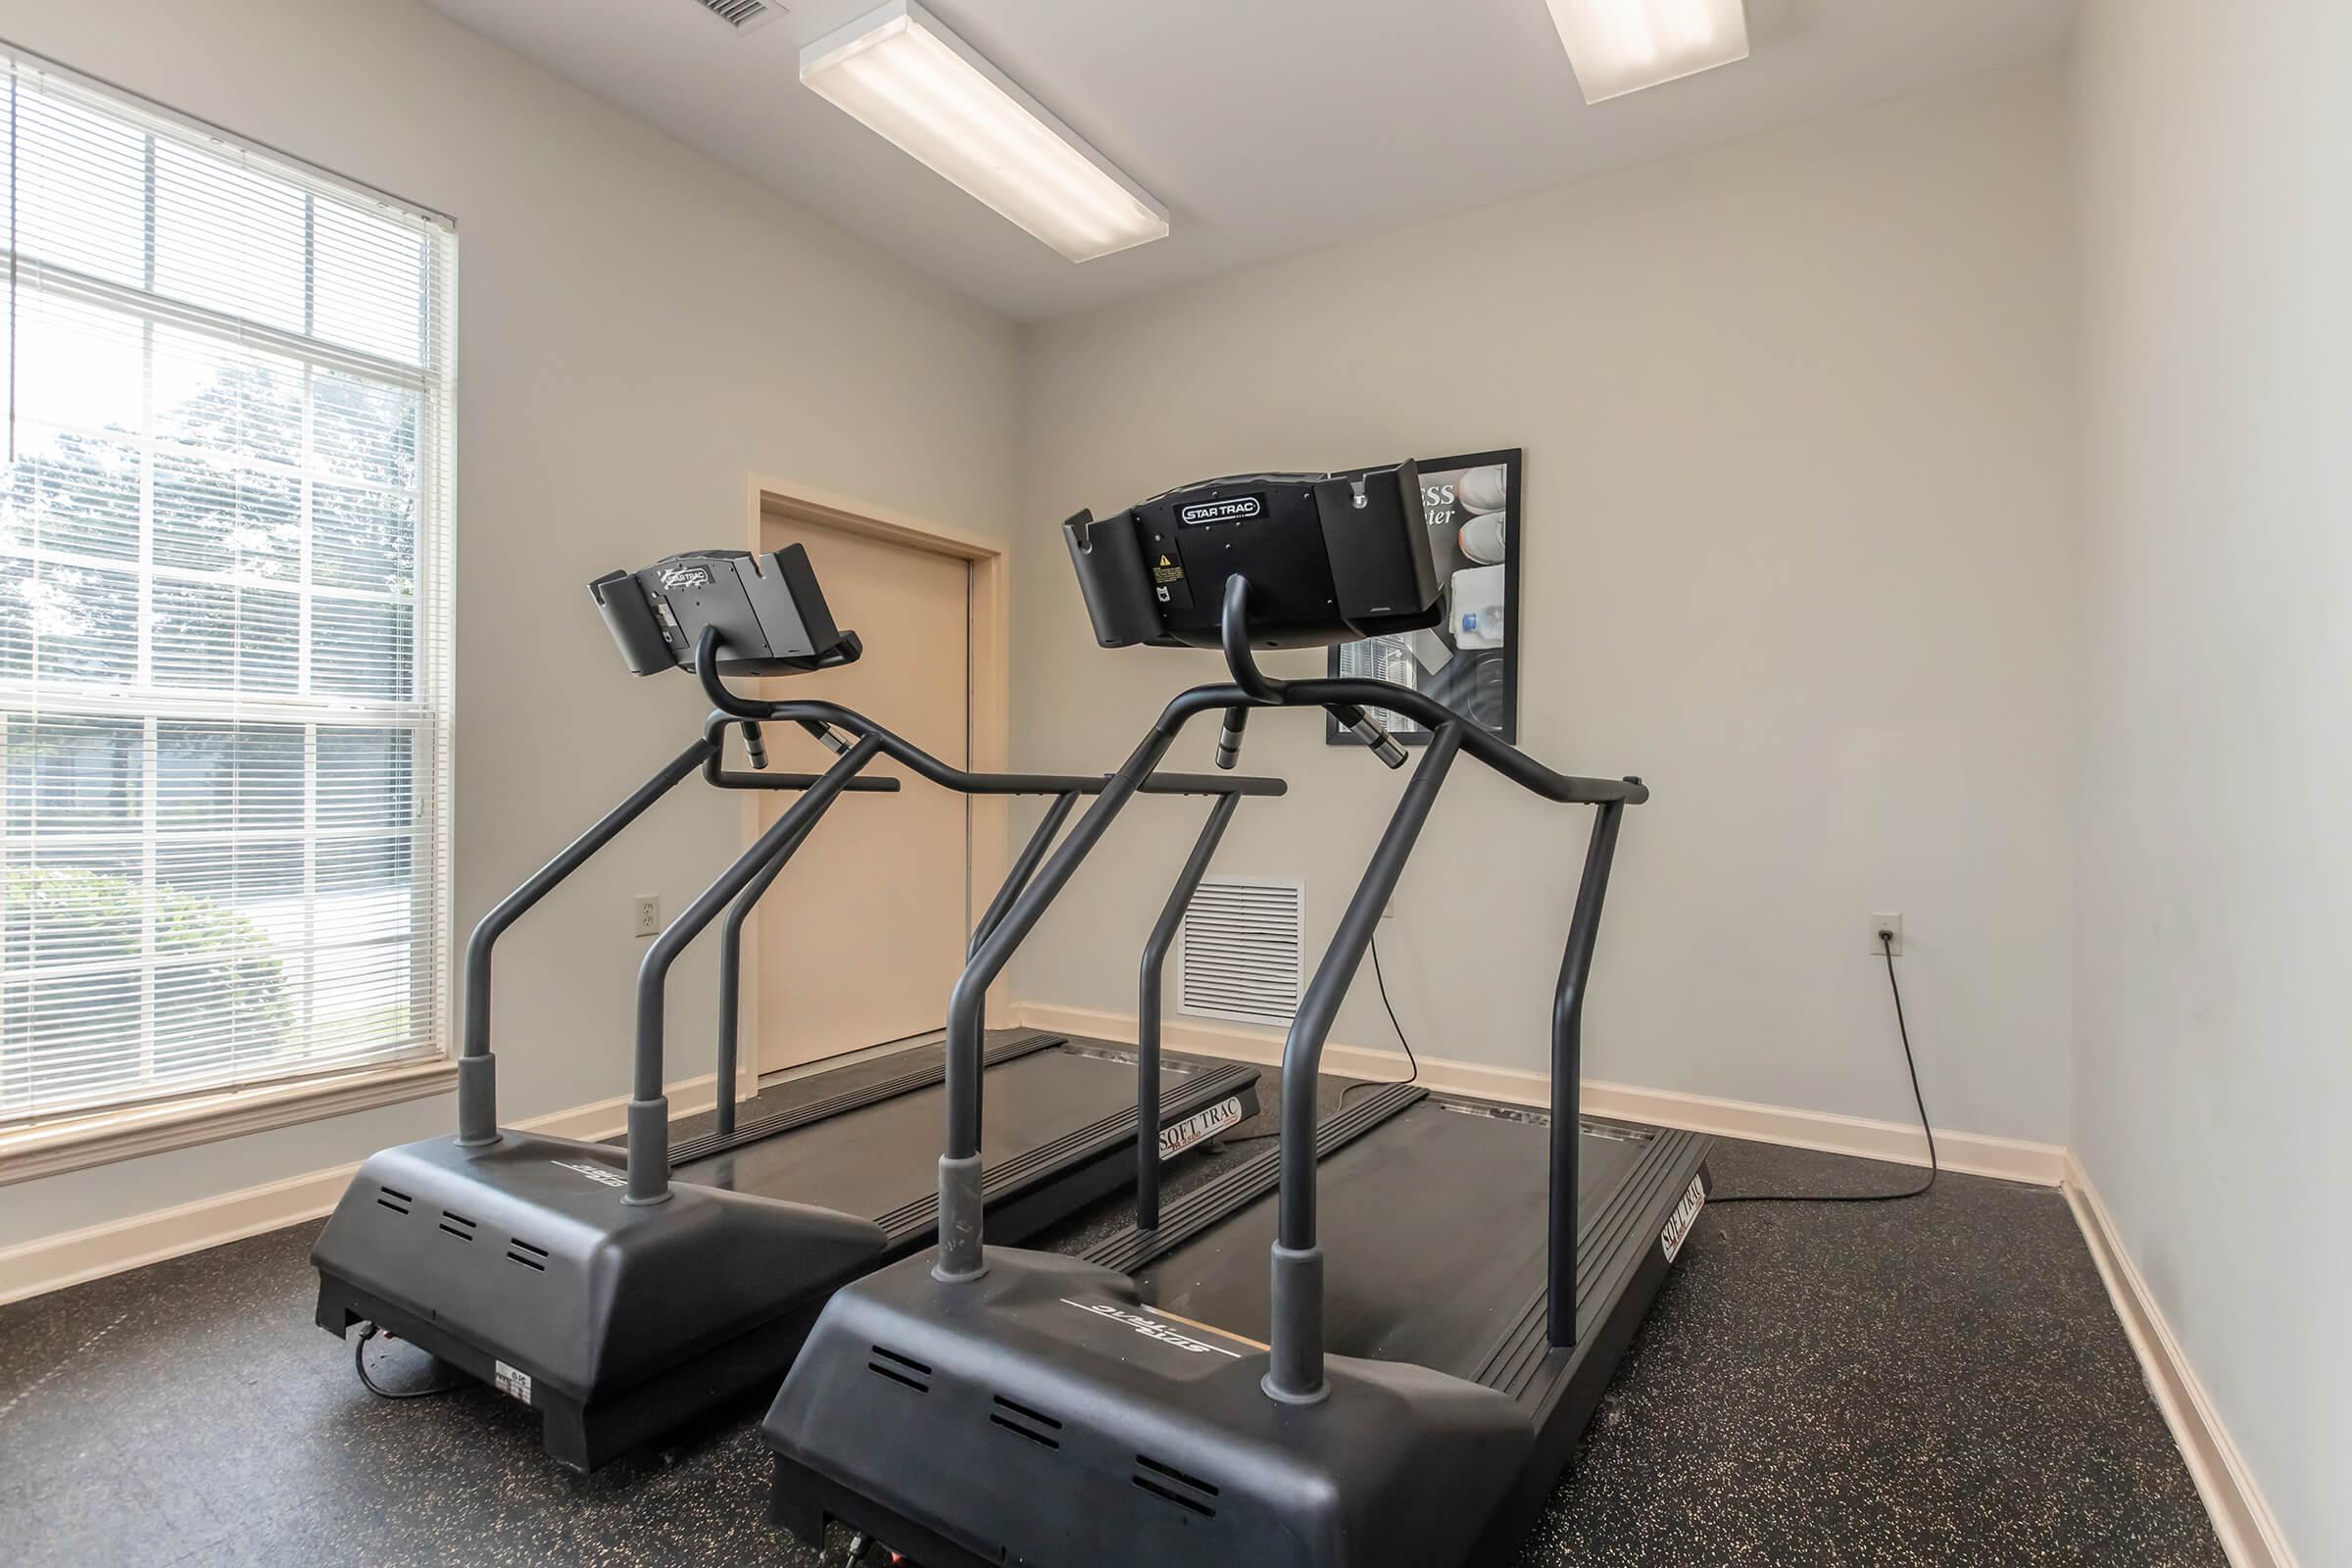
pixel 640 328
pixel 1799 415
pixel 2212 1076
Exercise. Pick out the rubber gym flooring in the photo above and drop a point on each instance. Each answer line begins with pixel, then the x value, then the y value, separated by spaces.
pixel 1939 1382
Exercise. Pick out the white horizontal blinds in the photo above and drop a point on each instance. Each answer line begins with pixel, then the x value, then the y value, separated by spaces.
pixel 224 611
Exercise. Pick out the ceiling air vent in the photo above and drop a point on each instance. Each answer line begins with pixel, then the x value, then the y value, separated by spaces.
pixel 743 15
pixel 1244 944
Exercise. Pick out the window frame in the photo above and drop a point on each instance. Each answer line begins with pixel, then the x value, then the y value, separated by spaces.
pixel 147 1118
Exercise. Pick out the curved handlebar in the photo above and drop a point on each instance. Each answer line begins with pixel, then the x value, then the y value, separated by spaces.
pixel 817 715
pixel 1352 691
pixel 1233 633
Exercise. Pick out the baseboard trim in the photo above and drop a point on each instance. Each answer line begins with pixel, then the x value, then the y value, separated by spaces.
pixel 1971 1154
pixel 2012 1159
pixel 74 1257
pixel 2249 1532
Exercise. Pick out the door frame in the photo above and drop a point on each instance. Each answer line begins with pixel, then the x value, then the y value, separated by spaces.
pixel 988 663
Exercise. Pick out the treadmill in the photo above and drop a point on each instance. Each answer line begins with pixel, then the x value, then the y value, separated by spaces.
pixel 1191 1392
pixel 621 1290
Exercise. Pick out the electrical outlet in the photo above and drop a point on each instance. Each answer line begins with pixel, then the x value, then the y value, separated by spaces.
pixel 645 915
pixel 1886 922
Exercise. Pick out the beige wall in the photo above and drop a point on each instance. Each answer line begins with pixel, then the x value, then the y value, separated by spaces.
pixel 640 328
pixel 2212 1070
pixel 1799 415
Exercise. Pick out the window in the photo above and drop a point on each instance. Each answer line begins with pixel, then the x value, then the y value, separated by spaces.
pixel 224 611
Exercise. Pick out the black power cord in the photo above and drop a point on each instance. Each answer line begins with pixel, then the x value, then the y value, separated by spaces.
pixel 1382 981
pixel 1414 1077
pixel 358 1362
pixel 1911 1064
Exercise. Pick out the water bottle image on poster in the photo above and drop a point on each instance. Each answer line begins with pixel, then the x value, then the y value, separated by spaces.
pixel 1470 659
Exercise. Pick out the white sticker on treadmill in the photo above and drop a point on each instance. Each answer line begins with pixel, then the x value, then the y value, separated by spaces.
pixel 514 1382
pixel 1199 1127
pixel 1152 1329
pixel 594 1173
pixel 1686 1214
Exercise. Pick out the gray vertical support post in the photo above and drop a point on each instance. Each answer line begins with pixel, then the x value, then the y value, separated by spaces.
pixel 960 1257
pixel 1024 867
pixel 1148 974
pixel 648 1107
pixel 1294 1366
pixel 477 1068
pixel 1567 1071
pixel 730 976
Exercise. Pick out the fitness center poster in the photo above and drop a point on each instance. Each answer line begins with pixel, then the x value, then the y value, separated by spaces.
pixel 1469 661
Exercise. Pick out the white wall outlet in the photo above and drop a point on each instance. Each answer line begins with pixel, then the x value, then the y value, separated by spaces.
pixel 645 915
pixel 1886 922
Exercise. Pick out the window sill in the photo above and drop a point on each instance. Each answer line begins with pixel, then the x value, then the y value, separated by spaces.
pixel 52 1148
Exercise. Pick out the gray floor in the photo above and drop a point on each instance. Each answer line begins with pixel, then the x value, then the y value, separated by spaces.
pixel 1939 1382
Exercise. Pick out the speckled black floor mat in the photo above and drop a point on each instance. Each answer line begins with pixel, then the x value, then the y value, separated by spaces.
pixel 1939 1382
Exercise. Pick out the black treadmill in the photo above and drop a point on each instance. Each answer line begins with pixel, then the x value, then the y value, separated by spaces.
pixel 621 1290
pixel 1192 1392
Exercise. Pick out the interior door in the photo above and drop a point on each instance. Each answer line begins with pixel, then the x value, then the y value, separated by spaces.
pixel 861 938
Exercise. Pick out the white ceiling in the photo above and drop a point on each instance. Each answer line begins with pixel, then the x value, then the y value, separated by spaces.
pixel 1269 127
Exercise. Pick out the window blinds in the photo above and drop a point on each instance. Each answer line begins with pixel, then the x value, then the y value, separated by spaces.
pixel 224 610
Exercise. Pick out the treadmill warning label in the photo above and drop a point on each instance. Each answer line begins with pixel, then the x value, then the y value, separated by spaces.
pixel 1685 1215
pixel 1201 1125
pixel 514 1382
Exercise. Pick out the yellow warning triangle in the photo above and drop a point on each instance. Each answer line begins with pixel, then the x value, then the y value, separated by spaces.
pixel 1166 562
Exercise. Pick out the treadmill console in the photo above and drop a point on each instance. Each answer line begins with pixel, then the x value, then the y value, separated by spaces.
pixel 769 612
pixel 1330 559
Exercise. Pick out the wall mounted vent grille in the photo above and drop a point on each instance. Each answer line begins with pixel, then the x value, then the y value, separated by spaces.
pixel 743 15
pixel 1242 952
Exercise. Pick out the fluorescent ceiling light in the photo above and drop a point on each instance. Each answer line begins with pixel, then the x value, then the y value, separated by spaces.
pixel 1622 46
pixel 917 86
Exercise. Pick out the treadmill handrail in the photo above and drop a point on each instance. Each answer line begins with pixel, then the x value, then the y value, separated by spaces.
pixel 730 952
pixel 478 1087
pixel 648 1108
pixel 477 1095
pixel 1296 1372
pixel 1150 970
pixel 812 713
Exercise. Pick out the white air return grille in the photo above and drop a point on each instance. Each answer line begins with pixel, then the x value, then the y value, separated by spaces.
pixel 743 15
pixel 1242 951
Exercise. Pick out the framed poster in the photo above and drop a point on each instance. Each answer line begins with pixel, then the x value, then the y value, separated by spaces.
pixel 1470 659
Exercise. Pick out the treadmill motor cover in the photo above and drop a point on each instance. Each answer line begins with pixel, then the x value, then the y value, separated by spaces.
pixel 769 611
pixel 1330 559
pixel 1061 1420
pixel 528 1246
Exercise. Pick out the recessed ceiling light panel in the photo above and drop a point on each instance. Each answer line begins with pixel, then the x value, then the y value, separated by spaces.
pixel 917 86
pixel 1622 46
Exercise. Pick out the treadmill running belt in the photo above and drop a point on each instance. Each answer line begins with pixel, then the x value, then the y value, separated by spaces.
pixel 880 1157
pixel 1433 1234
